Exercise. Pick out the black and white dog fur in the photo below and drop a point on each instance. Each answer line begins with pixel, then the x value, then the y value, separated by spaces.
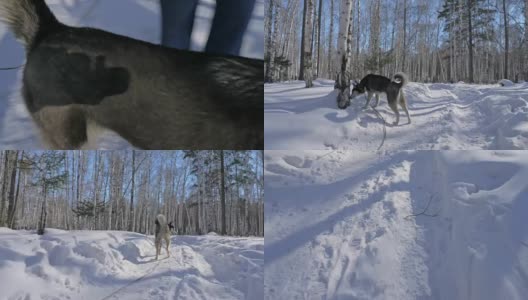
pixel 80 80
pixel 162 232
pixel 374 85
pixel 377 84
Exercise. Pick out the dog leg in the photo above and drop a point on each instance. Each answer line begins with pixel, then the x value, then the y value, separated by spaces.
pixel 369 96
pixel 377 101
pixel 158 249
pixel 394 106
pixel 403 104
pixel 167 243
pixel 62 127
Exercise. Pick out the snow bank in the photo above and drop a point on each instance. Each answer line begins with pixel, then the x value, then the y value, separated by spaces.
pixel 506 82
pixel 93 264
pixel 341 226
pixel 445 117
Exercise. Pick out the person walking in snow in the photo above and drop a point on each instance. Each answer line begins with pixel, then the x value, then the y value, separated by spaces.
pixel 229 24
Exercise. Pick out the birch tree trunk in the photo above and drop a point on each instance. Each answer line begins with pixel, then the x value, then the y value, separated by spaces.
pixel 131 215
pixel 303 34
pixel 470 38
pixel 13 221
pixel 4 186
pixel 344 19
pixel 222 192
pixel 269 42
pixel 331 40
pixel 375 32
pixel 307 50
pixel 506 38
pixel 43 213
pixel 526 40
pixel 12 184
pixel 404 59
pixel 349 38
pixel 319 37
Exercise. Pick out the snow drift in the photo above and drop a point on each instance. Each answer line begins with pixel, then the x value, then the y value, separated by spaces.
pixel 445 117
pixel 412 225
pixel 96 264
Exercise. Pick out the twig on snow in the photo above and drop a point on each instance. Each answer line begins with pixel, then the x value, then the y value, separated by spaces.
pixel 328 153
pixel 11 68
pixel 424 211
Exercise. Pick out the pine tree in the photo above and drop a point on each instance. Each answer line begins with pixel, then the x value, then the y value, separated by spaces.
pixel 50 176
pixel 470 26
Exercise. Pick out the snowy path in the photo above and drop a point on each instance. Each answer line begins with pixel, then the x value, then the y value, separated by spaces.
pixel 135 18
pixel 121 265
pixel 337 225
pixel 444 116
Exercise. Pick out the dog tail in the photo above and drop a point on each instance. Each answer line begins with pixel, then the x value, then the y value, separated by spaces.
pixel 161 224
pixel 160 219
pixel 27 19
pixel 400 78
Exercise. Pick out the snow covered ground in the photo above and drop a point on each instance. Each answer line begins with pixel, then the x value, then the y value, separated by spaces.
pixel 98 264
pixel 135 18
pixel 338 225
pixel 444 116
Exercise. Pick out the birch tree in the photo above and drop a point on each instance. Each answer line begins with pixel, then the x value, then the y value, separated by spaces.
pixel 307 40
pixel 331 39
pixel 344 19
pixel 506 37
pixel 319 36
pixel 526 40
pixel 195 192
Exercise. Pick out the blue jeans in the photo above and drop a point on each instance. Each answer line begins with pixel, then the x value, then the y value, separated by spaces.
pixel 227 31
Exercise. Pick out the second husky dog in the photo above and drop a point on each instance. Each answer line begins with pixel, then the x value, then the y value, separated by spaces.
pixel 79 80
pixel 377 84
pixel 162 233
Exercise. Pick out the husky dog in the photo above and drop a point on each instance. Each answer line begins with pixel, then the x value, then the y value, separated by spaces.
pixel 376 84
pixel 162 233
pixel 80 79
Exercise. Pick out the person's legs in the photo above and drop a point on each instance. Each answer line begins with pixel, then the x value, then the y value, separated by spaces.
pixel 229 26
pixel 177 19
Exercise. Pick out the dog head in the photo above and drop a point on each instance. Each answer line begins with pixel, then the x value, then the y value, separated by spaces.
pixel 171 227
pixel 357 89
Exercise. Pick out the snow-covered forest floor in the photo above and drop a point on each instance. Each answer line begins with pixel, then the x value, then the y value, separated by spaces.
pixel 338 225
pixel 444 116
pixel 95 264
pixel 135 18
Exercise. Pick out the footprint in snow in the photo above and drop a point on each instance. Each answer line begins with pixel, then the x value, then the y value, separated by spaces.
pixel 462 191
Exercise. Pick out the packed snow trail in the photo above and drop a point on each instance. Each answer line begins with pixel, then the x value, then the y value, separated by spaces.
pixel 121 265
pixel 139 19
pixel 444 117
pixel 339 225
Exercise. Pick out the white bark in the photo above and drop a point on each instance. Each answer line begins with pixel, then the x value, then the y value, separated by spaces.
pixel 307 51
pixel 344 19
